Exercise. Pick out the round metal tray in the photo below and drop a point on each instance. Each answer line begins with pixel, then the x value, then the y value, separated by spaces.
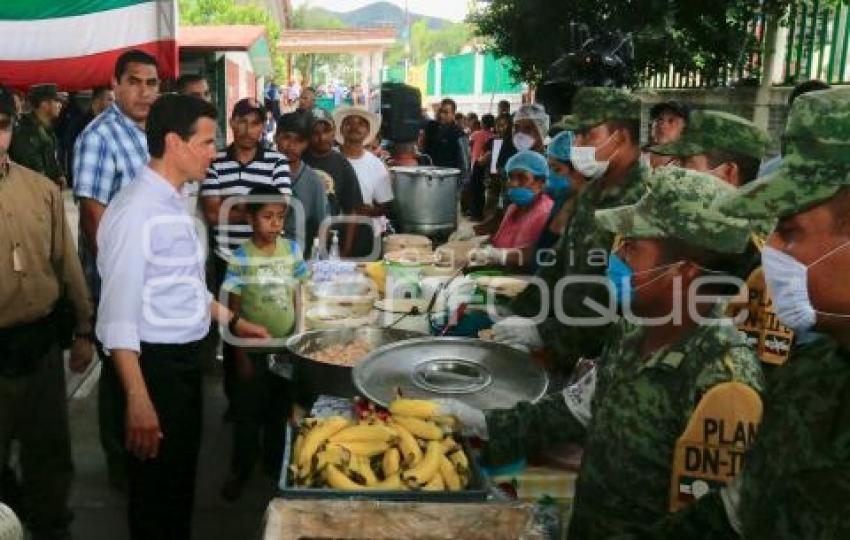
pixel 483 374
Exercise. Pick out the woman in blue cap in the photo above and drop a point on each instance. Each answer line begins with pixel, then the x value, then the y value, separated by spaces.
pixel 515 242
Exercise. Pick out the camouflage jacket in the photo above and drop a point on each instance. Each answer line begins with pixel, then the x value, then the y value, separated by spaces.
pixel 796 481
pixel 583 251
pixel 35 147
pixel 639 410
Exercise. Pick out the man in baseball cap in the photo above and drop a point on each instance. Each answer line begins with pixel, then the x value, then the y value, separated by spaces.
pixel 35 145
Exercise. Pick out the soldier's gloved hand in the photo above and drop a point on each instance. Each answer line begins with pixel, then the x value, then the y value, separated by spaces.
pixel 518 331
pixel 472 421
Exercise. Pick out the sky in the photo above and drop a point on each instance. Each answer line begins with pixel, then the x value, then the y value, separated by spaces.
pixel 454 10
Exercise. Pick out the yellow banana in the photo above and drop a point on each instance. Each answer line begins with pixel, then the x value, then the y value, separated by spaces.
pixel 367 449
pixel 299 444
pixel 364 433
pixel 410 452
pixel 448 423
pixel 429 466
pixel 461 463
pixel 391 462
pixel 416 408
pixel 450 445
pixel 332 455
pixel 449 474
pixel 338 480
pixel 436 484
pixel 317 436
pixel 363 468
pixel 391 483
pixel 420 428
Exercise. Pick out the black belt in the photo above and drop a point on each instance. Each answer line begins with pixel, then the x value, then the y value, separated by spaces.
pixel 170 349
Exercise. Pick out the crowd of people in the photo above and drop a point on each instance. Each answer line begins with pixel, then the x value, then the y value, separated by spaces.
pixel 639 232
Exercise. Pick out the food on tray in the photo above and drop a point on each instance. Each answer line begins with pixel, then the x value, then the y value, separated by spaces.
pixel 411 448
pixel 342 354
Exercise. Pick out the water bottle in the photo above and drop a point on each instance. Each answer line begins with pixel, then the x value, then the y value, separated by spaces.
pixel 334 255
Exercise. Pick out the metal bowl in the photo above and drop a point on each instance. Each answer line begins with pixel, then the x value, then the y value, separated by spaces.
pixel 485 375
pixel 319 378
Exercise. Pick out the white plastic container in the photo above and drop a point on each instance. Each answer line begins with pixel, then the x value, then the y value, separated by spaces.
pixel 399 313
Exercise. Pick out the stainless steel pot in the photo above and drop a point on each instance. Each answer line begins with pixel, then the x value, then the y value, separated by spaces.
pixel 319 378
pixel 425 199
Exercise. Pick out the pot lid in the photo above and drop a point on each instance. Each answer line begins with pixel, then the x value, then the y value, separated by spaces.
pixel 482 374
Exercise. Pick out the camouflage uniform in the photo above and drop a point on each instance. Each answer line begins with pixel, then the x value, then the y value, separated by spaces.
pixel 713 131
pixel 584 246
pixel 641 405
pixel 796 481
pixel 34 146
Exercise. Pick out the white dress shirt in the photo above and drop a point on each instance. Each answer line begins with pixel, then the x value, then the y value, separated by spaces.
pixel 151 263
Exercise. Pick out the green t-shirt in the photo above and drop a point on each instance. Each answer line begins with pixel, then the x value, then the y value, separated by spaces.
pixel 267 283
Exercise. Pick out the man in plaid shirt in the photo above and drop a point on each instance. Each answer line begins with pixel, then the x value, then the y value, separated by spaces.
pixel 107 156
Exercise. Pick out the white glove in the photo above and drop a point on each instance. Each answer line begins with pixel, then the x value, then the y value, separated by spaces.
pixel 463 232
pixel 473 422
pixel 518 331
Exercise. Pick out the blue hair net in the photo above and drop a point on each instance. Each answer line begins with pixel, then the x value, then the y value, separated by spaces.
pixel 529 161
pixel 560 147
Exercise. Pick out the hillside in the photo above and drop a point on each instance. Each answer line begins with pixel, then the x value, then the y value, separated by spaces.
pixel 381 14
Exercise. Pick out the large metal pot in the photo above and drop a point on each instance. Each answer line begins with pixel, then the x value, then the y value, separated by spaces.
pixel 319 378
pixel 425 199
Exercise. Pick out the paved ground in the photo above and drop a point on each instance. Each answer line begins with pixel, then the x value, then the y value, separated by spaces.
pixel 100 511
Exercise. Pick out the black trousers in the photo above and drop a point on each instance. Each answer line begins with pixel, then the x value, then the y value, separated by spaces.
pixel 477 192
pixel 162 490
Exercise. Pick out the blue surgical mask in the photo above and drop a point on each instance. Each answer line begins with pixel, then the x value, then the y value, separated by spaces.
pixel 521 196
pixel 620 274
pixel 557 185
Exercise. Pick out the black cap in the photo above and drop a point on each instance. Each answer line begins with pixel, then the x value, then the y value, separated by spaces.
pixel 7 102
pixel 247 106
pixel 299 123
pixel 42 92
pixel 675 106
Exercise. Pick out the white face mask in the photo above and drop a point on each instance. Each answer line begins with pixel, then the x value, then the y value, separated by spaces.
pixel 523 142
pixel 584 161
pixel 787 281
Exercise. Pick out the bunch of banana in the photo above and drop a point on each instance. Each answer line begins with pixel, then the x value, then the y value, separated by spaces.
pixel 411 448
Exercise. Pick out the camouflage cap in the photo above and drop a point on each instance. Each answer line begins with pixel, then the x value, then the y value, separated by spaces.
pixel 596 105
pixel 816 163
pixel 709 131
pixel 681 204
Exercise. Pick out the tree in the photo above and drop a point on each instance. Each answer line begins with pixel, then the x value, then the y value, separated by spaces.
pixel 425 42
pixel 305 17
pixel 202 12
pixel 690 35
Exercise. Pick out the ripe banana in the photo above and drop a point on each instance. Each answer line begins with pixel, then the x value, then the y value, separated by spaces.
pixel 299 444
pixel 317 436
pixel 421 428
pixel 360 465
pixel 367 449
pixel 391 462
pixel 449 474
pixel 427 468
pixel 450 445
pixel 416 408
pixel 364 433
pixel 410 452
pixel 392 483
pixel 332 456
pixel 338 480
pixel 461 463
pixel 436 484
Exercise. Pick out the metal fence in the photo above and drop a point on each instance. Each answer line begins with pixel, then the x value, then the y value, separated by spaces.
pixel 813 40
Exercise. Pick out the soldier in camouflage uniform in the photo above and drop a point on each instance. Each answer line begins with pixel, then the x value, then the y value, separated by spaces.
pixel 732 148
pixel 606 123
pixel 796 481
pixel 35 145
pixel 630 412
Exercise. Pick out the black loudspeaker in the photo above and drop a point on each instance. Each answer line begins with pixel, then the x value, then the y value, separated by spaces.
pixel 401 112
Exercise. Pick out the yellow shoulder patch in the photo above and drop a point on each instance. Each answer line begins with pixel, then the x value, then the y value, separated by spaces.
pixel 710 452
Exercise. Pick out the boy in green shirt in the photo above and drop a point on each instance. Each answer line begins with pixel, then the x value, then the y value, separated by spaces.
pixel 262 282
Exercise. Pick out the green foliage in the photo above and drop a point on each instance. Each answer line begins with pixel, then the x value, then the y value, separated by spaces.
pixel 425 42
pixel 207 12
pixel 691 35
pixel 307 18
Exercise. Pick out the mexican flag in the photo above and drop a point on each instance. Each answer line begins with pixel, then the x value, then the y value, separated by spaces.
pixel 75 43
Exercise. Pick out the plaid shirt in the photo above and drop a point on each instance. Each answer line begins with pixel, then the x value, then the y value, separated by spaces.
pixel 107 156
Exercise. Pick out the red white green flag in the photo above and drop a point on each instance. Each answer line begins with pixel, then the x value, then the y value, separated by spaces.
pixel 75 43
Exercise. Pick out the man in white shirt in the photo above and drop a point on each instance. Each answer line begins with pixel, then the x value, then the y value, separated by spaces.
pixel 355 129
pixel 154 310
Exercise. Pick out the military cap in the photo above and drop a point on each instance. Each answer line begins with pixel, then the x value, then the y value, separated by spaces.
pixel 597 105
pixel 7 102
pixel 680 204
pixel 709 131
pixel 42 92
pixel 815 164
